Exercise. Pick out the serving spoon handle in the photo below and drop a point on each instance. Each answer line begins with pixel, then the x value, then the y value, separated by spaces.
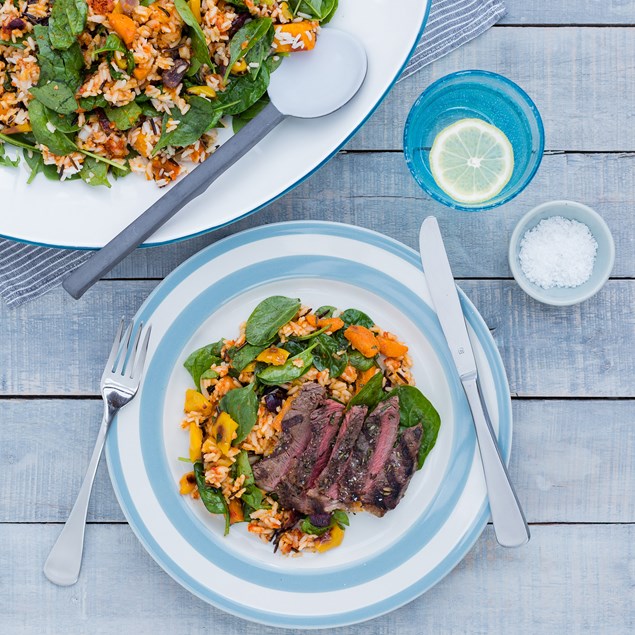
pixel 186 190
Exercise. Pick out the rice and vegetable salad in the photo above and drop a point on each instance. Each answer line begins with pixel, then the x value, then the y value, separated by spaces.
pixel 262 409
pixel 92 89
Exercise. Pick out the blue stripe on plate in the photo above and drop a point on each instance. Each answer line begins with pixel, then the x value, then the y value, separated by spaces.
pixel 396 600
pixel 208 540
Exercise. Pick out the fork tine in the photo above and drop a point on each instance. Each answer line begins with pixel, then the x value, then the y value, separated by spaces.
pixel 132 354
pixel 141 358
pixel 124 349
pixel 110 364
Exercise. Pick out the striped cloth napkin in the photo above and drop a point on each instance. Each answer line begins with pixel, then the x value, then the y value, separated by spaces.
pixel 27 271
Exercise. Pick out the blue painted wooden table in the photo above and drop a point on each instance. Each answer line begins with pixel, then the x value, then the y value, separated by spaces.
pixel 571 370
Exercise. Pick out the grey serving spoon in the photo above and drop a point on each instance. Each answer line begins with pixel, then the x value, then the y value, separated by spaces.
pixel 307 85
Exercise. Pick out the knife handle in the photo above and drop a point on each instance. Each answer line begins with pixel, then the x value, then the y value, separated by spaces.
pixel 509 521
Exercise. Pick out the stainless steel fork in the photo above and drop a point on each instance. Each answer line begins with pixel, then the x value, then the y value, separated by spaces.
pixel 119 384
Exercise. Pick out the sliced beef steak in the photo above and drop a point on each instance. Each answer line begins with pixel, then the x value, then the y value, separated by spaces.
pixel 295 436
pixel 390 485
pixel 374 445
pixel 325 423
pixel 328 480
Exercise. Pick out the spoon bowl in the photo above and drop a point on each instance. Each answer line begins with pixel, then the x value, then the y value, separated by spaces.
pixel 318 82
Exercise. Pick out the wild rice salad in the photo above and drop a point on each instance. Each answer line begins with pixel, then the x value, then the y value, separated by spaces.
pixel 97 88
pixel 246 391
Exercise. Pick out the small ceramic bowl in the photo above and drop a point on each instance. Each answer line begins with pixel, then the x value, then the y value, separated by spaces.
pixel 605 258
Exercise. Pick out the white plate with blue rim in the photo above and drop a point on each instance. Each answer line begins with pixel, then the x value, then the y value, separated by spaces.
pixel 383 563
pixel 74 215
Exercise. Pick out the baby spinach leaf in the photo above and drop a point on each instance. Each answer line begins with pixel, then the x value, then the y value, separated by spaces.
pixel 243 91
pixel 199 44
pixel 313 335
pixel 113 43
pixel 253 495
pixel 64 123
pixel 340 517
pixel 147 109
pixel 243 356
pixel 197 120
pixel 217 347
pixel 67 21
pixel 243 466
pixel 201 359
pixel 57 96
pixel 273 61
pixel 124 117
pixel 328 10
pixel 90 103
pixel 122 170
pixel 325 311
pixel 18 44
pixel 246 38
pixel 94 172
pixel 321 10
pixel 294 347
pixel 370 395
pixel 35 161
pixel 312 8
pixel 242 119
pixel 6 161
pixel 358 361
pixel 64 66
pixel 307 527
pixel 212 497
pixel 326 356
pixel 290 370
pixel 209 374
pixel 354 316
pixel 260 50
pixel 415 409
pixel 46 133
pixel 270 315
pixel 26 141
pixel 241 404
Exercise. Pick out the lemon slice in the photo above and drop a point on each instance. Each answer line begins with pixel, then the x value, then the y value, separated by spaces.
pixel 471 161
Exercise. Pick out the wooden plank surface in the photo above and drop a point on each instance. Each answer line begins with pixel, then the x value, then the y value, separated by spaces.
pixel 573 369
pixel 581 80
pixel 565 586
pixel 375 190
pixel 536 341
pixel 571 460
pixel 559 12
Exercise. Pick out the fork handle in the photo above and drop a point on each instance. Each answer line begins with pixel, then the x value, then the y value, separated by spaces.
pixel 65 560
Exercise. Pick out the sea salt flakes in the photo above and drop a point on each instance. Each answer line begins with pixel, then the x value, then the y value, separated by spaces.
pixel 558 252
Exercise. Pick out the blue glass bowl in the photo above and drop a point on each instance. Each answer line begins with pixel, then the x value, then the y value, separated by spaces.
pixel 478 95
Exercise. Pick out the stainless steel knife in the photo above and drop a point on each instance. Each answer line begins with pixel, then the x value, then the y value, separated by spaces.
pixel 509 521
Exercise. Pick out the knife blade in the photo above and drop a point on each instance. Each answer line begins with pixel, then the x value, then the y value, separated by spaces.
pixel 509 521
pixel 446 300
